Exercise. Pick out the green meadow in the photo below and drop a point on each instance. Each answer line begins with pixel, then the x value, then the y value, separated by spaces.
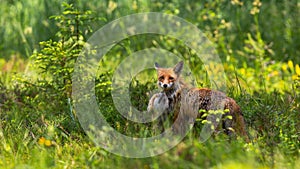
pixel 257 41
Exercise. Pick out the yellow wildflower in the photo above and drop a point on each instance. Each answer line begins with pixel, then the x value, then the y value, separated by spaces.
pixel 7 147
pixel 48 143
pixel 284 67
pixel 42 141
pixel 134 5
pixel 297 69
pixel 254 11
pixel 290 64
pixel 256 3
pixel 236 2
pixel 295 77
pixel 111 7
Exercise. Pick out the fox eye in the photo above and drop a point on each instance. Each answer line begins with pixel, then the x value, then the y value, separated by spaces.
pixel 171 78
pixel 161 78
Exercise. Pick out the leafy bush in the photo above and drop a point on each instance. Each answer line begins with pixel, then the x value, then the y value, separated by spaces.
pixel 56 59
pixel 48 88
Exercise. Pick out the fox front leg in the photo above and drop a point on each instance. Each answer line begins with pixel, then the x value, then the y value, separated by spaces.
pixel 158 103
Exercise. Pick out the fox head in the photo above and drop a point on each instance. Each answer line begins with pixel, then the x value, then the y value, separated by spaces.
pixel 167 77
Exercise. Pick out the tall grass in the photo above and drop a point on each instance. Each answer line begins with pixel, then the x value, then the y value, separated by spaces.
pixel 24 24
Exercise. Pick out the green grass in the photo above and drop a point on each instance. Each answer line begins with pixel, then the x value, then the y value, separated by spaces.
pixel 272 120
pixel 260 55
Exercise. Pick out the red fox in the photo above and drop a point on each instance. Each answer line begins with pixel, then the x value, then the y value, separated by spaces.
pixel 177 98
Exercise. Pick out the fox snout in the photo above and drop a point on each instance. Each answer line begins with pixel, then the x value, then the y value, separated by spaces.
pixel 165 86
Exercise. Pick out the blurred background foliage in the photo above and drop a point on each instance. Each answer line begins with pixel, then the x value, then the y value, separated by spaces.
pixel 273 24
pixel 257 41
pixel 261 38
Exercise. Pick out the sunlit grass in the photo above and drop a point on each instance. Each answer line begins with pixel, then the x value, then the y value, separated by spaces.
pixel 257 42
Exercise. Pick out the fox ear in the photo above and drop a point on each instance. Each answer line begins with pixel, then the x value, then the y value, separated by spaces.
pixel 156 65
pixel 178 67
